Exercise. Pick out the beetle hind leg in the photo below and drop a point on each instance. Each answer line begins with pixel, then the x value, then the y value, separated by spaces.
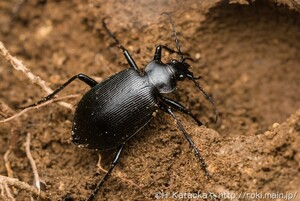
pixel 112 166
pixel 126 53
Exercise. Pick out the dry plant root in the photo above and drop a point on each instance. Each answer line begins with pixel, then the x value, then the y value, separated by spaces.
pixel 12 182
pixel 19 66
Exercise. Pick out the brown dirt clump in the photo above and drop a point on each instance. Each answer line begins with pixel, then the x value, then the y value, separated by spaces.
pixel 247 53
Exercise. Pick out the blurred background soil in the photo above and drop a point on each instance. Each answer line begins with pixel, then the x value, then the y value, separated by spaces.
pixel 247 53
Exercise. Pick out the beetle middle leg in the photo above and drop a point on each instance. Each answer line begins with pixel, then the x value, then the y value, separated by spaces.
pixel 113 164
pixel 126 53
pixel 168 110
pixel 180 107
pixel 86 79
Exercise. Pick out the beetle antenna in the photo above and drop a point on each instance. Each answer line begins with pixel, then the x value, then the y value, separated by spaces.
pixel 175 35
pixel 206 96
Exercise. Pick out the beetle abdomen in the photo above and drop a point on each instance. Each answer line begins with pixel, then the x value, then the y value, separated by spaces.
pixel 114 110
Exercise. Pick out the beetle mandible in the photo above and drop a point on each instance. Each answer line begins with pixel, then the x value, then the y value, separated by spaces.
pixel 114 110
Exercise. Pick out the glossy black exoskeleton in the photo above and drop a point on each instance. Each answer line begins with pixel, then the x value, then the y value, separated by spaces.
pixel 114 110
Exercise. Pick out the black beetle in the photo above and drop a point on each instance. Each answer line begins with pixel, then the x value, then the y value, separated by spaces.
pixel 114 110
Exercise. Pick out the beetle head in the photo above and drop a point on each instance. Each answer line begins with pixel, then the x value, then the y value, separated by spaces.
pixel 181 69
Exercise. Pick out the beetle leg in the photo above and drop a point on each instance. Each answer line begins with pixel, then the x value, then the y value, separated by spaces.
pixel 130 60
pixel 127 55
pixel 168 110
pixel 157 54
pixel 86 79
pixel 113 164
pixel 180 107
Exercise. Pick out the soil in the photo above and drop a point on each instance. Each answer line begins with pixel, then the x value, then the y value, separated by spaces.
pixel 247 54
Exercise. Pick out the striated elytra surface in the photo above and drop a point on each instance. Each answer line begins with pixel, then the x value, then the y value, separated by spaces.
pixel 114 110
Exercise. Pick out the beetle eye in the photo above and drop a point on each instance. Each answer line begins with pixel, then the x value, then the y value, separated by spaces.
pixel 173 61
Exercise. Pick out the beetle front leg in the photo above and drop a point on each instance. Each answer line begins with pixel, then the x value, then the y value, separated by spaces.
pixel 168 110
pixel 157 54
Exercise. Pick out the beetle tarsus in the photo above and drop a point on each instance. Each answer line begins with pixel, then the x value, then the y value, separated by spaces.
pixel 86 79
pixel 126 53
pixel 168 110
